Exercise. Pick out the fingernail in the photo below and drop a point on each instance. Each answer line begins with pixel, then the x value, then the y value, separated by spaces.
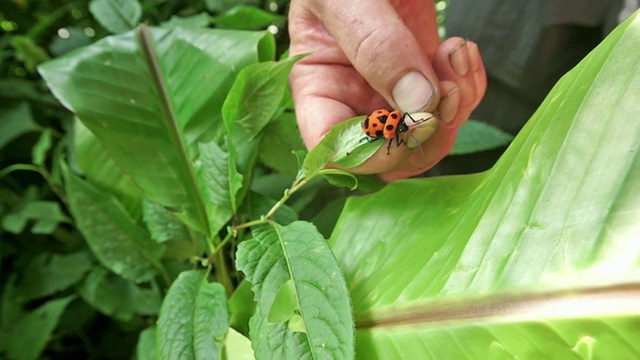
pixel 460 59
pixel 421 133
pixel 449 105
pixel 474 55
pixel 413 92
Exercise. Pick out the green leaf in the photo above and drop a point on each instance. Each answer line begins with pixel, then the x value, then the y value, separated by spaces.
pixel 162 224
pixel 299 254
pixel 161 115
pixel 200 20
pixel 40 149
pixel 28 338
pixel 535 258
pixel 246 18
pixel 117 297
pixel 280 139
pixel 100 169
pixel 193 319
pixel 28 52
pixel 48 274
pixel 476 136
pixel 237 346
pixel 257 94
pixel 241 307
pixel 146 347
pixel 117 16
pixel 118 243
pixel 219 181
pixel 46 215
pixel 15 120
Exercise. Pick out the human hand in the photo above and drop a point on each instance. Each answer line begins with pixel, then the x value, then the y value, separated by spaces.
pixel 368 55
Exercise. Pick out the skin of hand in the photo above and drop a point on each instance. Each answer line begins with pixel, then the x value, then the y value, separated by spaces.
pixel 380 54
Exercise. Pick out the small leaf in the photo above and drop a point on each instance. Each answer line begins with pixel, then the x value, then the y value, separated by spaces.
pixel 162 224
pixel 46 214
pixel 200 20
pixel 280 139
pixel 237 346
pixel 146 348
pixel 256 95
pixel 475 136
pixel 246 18
pixel 299 254
pixel 117 16
pixel 15 120
pixel 28 338
pixel 285 305
pixel 40 149
pixel 47 274
pixel 29 52
pixel 117 297
pixel 193 319
pixel 118 243
pixel 241 307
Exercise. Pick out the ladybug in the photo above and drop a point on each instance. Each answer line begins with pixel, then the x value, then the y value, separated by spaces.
pixel 387 124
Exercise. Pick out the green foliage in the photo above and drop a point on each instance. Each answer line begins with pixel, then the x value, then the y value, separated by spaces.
pixel 174 213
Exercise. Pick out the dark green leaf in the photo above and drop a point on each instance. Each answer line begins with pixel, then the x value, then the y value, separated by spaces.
pixel 246 18
pixel 297 253
pixel 118 243
pixel 117 16
pixel 475 136
pixel 47 274
pixel 117 297
pixel 28 338
pixel 15 120
pixel 46 215
pixel 146 348
pixel 280 139
pixel 535 258
pixel 241 307
pixel 256 95
pixel 193 319
pixel 198 21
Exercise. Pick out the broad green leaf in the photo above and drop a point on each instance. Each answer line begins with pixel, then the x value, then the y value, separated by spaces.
pixel 193 319
pixel 117 16
pixel 15 120
pixel 246 18
pixel 280 139
pixel 198 20
pixel 535 258
pixel 47 274
pixel 119 244
pixel 117 297
pixel 46 215
pixel 98 167
pixel 161 115
pixel 30 335
pixel 162 224
pixel 475 136
pixel 257 94
pixel 296 253
pixel 241 307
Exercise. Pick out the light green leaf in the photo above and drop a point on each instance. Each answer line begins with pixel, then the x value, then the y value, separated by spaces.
pixel 40 149
pixel 193 319
pixel 475 136
pixel 257 94
pixel 198 20
pixel 46 215
pixel 118 243
pixel 28 338
pixel 15 120
pixel 47 274
pixel 297 253
pixel 117 16
pixel 146 347
pixel 117 297
pixel 161 115
pixel 535 258
pixel 237 346
pixel 246 18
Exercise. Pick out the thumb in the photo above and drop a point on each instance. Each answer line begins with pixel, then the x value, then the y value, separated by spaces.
pixel 380 45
